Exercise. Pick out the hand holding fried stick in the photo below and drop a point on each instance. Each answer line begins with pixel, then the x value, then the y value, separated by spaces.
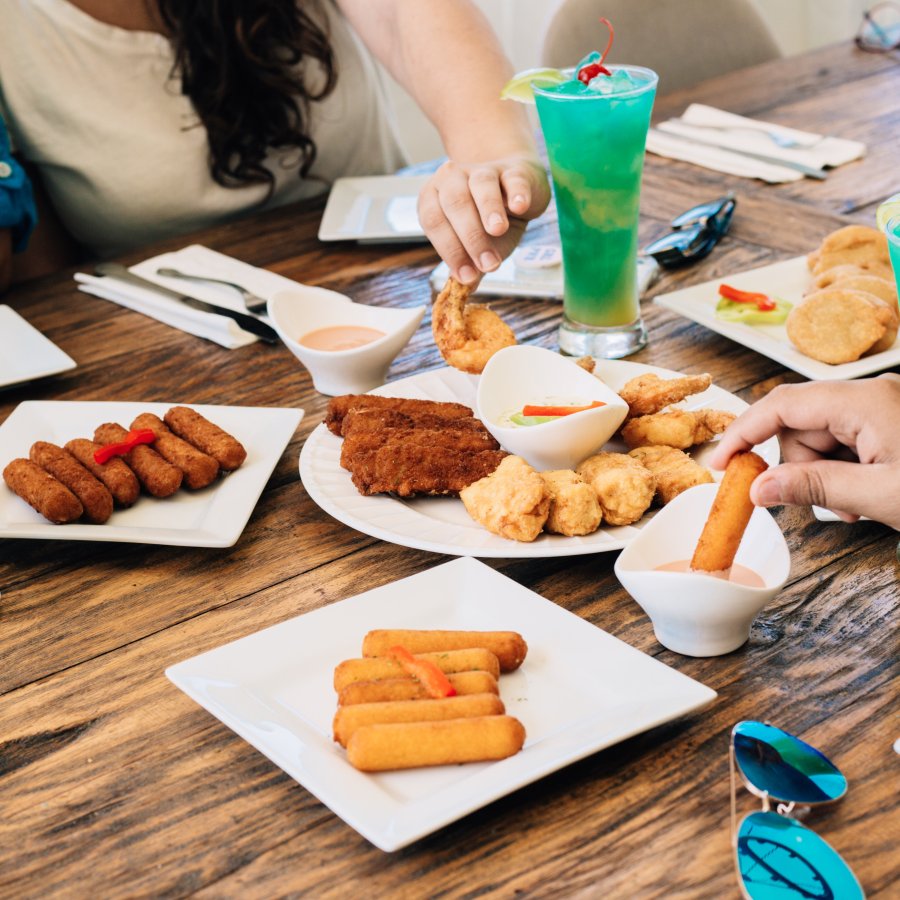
pixel 730 513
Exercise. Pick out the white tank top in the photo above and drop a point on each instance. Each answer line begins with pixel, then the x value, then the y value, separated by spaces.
pixel 120 149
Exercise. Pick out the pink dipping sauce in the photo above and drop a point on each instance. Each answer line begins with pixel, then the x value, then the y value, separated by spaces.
pixel 340 337
pixel 737 574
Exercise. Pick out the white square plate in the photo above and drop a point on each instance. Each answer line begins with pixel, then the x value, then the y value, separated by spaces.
pixel 373 209
pixel 25 353
pixel 212 517
pixel 786 280
pixel 578 691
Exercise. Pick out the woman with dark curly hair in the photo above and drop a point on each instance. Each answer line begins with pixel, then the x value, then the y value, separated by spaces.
pixel 143 120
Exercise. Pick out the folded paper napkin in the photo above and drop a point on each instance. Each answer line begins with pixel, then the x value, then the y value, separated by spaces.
pixel 700 125
pixel 194 260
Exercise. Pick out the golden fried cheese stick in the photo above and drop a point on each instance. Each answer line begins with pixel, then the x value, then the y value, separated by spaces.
pixel 374 668
pixel 508 646
pixel 349 718
pixel 378 748
pixel 409 689
pixel 40 490
pixel 730 513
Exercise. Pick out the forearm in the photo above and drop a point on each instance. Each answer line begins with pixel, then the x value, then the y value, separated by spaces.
pixel 446 55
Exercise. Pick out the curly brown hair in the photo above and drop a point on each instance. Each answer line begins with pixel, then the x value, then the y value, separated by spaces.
pixel 245 65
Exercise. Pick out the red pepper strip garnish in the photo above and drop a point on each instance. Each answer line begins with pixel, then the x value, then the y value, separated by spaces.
pixel 763 302
pixel 134 437
pixel 558 410
pixel 435 682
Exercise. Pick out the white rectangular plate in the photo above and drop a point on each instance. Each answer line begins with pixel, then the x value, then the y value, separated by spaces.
pixel 786 280
pixel 212 517
pixel 579 690
pixel 374 209
pixel 25 353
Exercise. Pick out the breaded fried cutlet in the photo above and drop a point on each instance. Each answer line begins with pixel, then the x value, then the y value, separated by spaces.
pixel 338 407
pixel 358 421
pixel 360 443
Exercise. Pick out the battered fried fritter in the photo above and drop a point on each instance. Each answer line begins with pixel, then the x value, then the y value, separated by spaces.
pixel 857 245
pixel 574 507
pixel 673 470
pixel 623 486
pixel 338 407
pixel 679 428
pixel 648 394
pixel 513 501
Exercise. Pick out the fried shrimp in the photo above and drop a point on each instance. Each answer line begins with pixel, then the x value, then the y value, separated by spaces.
pixel 467 335
pixel 648 394
pixel 680 428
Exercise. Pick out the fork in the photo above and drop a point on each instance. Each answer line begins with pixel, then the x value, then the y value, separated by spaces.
pixel 253 302
pixel 776 137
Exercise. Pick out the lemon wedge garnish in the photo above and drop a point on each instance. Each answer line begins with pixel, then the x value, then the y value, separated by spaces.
pixel 887 211
pixel 518 88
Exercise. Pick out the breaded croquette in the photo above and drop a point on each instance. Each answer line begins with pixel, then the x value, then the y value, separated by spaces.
pixel 508 646
pixel 199 468
pixel 119 480
pixel 190 426
pixel 95 499
pixel 623 486
pixel 408 688
pixel 40 490
pixel 158 477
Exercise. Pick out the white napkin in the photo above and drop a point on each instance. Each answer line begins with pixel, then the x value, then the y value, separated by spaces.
pixel 705 125
pixel 194 260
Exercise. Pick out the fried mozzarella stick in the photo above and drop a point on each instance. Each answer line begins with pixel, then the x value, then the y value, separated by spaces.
pixel 120 481
pixel 94 497
pixel 378 748
pixel 374 668
pixel 40 490
pixel 199 468
pixel 508 646
pixel 190 426
pixel 157 477
pixel 349 718
pixel 409 688
pixel 730 513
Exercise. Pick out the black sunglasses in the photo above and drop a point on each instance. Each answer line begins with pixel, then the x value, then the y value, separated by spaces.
pixel 694 233
pixel 879 31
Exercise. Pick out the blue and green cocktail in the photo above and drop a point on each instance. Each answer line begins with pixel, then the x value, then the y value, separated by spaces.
pixel 595 135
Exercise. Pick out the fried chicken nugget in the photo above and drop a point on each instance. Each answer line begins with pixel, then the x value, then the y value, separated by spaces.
pixel 835 326
pixel 119 480
pixel 199 468
pixel 190 426
pixel 407 745
pixel 624 487
pixel 574 507
pixel 673 470
pixel 679 428
pixel 648 394
pixel 408 688
pixel 513 501
pixel 157 477
pixel 41 491
pixel 95 498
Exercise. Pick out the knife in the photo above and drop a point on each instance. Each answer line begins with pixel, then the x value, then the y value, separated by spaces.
pixel 810 171
pixel 249 323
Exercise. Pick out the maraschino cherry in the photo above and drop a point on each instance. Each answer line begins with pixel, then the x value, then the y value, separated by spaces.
pixel 592 70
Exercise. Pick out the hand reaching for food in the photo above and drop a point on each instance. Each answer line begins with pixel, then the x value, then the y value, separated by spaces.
pixel 840 442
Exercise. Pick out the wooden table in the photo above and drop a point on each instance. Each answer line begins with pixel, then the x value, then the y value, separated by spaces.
pixel 114 783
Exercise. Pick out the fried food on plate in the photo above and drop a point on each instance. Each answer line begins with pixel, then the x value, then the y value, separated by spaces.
pixel 574 507
pixel 199 468
pixel 467 335
pixel 374 668
pixel 408 688
pixel 94 497
pixel 624 487
pixel 648 394
pixel 119 480
pixel 338 407
pixel 836 325
pixel 376 748
pixel 508 646
pixel 463 440
pixel 190 426
pixel 512 501
pixel 158 477
pixel 40 490
pixel 358 421
pixel 730 513
pixel 856 245
pixel 349 718
pixel 673 470
pixel 588 363
pixel 679 428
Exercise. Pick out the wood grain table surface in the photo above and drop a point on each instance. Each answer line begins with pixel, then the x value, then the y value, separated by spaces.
pixel 113 783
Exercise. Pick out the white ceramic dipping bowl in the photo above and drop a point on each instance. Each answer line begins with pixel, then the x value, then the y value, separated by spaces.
pixel 695 614
pixel 519 375
pixel 298 311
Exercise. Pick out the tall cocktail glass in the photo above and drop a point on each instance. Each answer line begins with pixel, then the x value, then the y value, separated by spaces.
pixel 595 144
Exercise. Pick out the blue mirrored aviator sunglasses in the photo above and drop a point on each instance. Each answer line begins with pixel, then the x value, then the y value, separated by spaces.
pixel 694 233
pixel 777 858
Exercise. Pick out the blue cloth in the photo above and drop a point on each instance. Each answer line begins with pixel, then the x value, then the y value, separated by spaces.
pixel 17 209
